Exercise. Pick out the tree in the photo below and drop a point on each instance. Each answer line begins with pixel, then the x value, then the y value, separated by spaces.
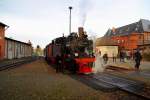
pixel 38 51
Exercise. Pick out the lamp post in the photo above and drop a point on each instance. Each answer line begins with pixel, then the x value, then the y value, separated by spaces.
pixel 70 8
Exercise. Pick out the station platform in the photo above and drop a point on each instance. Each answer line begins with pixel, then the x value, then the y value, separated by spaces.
pixel 129 65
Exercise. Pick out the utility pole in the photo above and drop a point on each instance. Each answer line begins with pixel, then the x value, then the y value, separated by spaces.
pixel 70 8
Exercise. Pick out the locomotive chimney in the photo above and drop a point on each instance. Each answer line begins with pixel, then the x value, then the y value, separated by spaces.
pixel 81 31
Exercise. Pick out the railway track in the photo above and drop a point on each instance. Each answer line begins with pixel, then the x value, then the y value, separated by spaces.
pixel 108 82
pixel 15 63
pixel 115 68
pixel 143 93
pixel 130 86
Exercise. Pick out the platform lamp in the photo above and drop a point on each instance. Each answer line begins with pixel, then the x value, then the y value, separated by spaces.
pixel 70 8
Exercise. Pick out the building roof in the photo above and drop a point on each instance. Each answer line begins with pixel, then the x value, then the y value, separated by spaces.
pixel 105 41
pixel 2 24
pixel 141 26
pixel 17 41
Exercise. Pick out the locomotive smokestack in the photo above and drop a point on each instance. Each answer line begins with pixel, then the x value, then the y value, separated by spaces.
pixel 81 31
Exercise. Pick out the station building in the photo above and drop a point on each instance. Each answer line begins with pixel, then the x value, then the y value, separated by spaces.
pixel 107 45
pixel 10 48
pixel 132 36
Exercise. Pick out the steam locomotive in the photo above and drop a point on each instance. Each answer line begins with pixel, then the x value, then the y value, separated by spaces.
pixel 76 45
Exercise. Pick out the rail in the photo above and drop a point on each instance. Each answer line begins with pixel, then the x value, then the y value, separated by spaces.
pixel 15 63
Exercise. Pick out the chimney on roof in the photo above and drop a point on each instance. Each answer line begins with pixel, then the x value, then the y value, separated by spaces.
pixel 29 42
pixel 113 29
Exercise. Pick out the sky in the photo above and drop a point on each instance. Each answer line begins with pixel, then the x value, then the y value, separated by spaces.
pixel 41 21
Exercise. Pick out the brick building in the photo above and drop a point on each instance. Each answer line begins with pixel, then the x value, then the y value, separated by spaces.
pixel 2 40
pixel 132 36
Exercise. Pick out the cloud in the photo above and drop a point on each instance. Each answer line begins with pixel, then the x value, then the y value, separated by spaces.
pixel 113 13
pixel 43 20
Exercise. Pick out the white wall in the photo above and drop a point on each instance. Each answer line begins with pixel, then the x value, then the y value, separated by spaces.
pixel 16 50
pixel 108 49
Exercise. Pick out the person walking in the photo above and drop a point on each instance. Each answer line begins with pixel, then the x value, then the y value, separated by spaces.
pixel 138 58
pixel 105 58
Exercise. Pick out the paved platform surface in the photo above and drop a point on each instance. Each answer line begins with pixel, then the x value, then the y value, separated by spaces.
pixel 38 81
pixel 129 64
pixel 129 70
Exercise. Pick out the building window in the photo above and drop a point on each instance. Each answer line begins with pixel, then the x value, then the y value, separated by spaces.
pixel 148 37
pixel 148 26
pixel 136 29
pixel 137 25
pixel 120 31
pixel 140 37
pixel 128 29
pixel 114 33
pixel 127 44
pixel 118 41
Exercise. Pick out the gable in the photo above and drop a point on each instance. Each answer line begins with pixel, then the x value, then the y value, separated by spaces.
pixel 146 25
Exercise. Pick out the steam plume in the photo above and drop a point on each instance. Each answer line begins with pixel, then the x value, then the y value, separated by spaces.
pixel 84 6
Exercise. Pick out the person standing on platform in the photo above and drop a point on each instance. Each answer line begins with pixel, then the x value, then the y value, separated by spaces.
pixel 138 58
pixel 114 55
pixel 121 56
pixel 62 63
pixel 58 63
pixel 72 64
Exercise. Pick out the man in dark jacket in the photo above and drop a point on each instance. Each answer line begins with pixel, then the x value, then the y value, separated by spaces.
pixel 72 64
pixel 58 63
pixel 138 58
pixel 105 58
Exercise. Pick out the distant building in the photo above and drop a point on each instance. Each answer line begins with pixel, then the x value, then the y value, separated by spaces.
pixel 132 36
pixel 107 45
pixel 16 49
pixel 12 49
